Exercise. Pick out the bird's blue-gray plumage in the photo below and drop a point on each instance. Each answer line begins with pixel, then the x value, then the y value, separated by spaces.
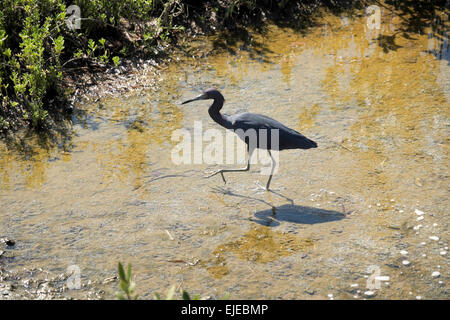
pixel 287 137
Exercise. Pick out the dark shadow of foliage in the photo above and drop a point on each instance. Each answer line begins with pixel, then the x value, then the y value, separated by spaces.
pixel 416 16
pixel 57 134
pixel 387 43
pixel 241 40
pixel 232 32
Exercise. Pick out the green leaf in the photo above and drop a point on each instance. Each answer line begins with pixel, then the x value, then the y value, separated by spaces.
pixel 121 272
pixel 131 287
pixel 124 286
pixel 129 272
pixel 7 52
pixel 59 44
pixel 185 295
pixel 225 297
pixel 170 293
pixel 91 43
pixel 116 60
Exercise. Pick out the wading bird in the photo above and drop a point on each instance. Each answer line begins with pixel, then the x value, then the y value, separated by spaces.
pixel 288 138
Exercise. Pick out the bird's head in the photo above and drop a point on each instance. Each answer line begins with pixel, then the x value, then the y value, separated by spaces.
pixel 208 94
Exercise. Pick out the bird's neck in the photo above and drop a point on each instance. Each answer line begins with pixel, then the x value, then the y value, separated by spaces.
pixel 214 112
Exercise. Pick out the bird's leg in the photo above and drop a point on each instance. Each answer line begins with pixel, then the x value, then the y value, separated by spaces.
pixel 266 188
pixel 221 171
pixel 271 171
pixel 217 172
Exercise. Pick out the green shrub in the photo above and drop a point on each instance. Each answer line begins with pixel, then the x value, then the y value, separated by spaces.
pixel 30 65
pixel 36 45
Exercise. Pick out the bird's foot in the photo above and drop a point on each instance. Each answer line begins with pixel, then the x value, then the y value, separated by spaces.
pixel 259 187
pixel 221 190
pixel 213 173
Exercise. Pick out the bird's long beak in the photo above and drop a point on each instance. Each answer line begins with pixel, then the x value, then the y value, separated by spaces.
pixel 200 97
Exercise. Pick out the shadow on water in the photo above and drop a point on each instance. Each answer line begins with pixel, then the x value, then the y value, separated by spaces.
pixel 287 212
pixel 298 16
pixel 241 39
pixel 303 15
pixel 416 17
pixel 387 43
pixel 296 214
pixel 57 135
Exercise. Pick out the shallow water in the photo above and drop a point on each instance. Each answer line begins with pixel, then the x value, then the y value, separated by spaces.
pixel 376 102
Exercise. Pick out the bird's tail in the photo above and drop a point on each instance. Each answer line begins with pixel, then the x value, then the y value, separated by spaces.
pixel 310 144
pixel 302 142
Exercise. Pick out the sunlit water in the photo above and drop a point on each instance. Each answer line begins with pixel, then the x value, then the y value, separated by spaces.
pixel 376 102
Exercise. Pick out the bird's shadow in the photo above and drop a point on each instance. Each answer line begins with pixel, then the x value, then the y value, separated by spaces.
pixel 296 214
pixel 291 212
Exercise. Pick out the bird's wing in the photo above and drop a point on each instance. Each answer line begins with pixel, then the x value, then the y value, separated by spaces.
pixel 257 121
pixel 288 138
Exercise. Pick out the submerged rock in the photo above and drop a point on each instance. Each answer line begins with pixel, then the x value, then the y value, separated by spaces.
pixel 8 242
pixel 436 274
pixel 369 293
